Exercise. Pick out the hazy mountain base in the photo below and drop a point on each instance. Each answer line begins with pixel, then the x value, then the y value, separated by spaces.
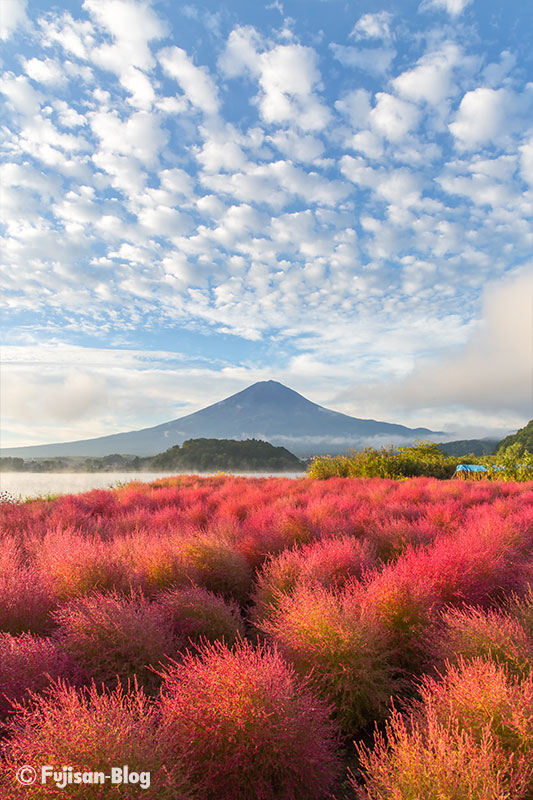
pixel 202 455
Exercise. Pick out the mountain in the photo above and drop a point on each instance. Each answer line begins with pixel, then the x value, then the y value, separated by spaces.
pixel 266 410
pixel 524 436
pixel 469 447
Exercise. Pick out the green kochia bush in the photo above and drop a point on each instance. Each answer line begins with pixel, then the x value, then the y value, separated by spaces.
pixel 342 649
pixel 246 727
pixel 473 632
pixel 469 736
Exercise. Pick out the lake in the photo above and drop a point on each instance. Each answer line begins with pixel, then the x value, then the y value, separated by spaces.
pixel 32 484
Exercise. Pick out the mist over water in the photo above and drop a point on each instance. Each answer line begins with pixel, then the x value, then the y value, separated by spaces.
pixel 32 484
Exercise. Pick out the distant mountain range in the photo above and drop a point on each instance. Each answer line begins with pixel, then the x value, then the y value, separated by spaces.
pixel 266 410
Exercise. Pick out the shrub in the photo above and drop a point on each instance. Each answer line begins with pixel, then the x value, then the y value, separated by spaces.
pixel 90 730
pixel 111 636
pixel 216 564
pixel 482 696
pixel 150 559
pixel 329 563
pixel 472 632
pixel 194 613
pixel 341 647
pixel 435 762
pixel 246 727
pixel 28 664
pixel 71 563
pixel 404 605
pixel 469 736
pixel 25 601
pixel 520 607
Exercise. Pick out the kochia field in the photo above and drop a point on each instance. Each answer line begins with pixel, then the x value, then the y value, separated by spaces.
pixel 271 639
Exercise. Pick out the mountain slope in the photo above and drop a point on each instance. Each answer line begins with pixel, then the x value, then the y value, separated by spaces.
pixel 266 410
pixel 524 436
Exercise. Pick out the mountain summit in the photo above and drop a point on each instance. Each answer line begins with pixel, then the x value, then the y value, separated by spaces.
pixel 266 410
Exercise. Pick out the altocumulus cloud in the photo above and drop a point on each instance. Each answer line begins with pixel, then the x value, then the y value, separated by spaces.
pixel 243 194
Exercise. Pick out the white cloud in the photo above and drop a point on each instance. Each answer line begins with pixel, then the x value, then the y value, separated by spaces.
pixel 133 25
pixel 453 7
pixel 241 52
pixel 373 26
pixel 392 117
pixel 221 149
pixel 21 94
pixel 140 88
pixel 12 16
pixel 139 135
pixel 356 106
pixel 526 161
pixel 287 74
pixel 484 115
pixel 76 37
pixel 500 347
pixel 195 82
pixel 68 116
pixel 431 79
pixel 297 147
pixel 44 71
pixel 368 143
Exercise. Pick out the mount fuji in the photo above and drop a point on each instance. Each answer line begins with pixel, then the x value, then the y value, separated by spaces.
pixel 266 410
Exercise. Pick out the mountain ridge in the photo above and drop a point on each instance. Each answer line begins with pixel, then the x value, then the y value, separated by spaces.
pixel 265 410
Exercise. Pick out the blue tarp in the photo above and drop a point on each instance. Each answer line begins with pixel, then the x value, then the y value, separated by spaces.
pixel 471 468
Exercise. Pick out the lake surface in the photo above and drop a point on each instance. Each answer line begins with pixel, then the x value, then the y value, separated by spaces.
pixel 32 484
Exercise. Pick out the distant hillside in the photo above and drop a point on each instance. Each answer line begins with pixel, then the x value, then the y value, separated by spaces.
pixel 466 447
pixel 524 436
pixel 266 410
pixel 206 455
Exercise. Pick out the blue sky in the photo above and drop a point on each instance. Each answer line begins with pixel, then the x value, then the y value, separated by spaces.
pixel 336 195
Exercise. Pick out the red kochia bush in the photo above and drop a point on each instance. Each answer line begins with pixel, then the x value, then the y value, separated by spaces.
pixel 328 563
pixel 25 600
pixel 110 635
pixel 90 731
pixel 194 613
pixel 28 664
pixel 245 727
pixel 212 561
pixel 72 563
pixel 473 632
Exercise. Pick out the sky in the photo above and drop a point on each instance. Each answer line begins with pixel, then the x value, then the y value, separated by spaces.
pixel 334 194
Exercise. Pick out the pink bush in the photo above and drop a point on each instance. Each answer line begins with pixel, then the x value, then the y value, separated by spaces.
pixel 72 563
pixel 28 664
pixel 473 632
pixel 245 727
pixel 90 730
pixel 25 600
pixel 329 563
pixel 110 636
pixel 194 614
pixel 216 564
